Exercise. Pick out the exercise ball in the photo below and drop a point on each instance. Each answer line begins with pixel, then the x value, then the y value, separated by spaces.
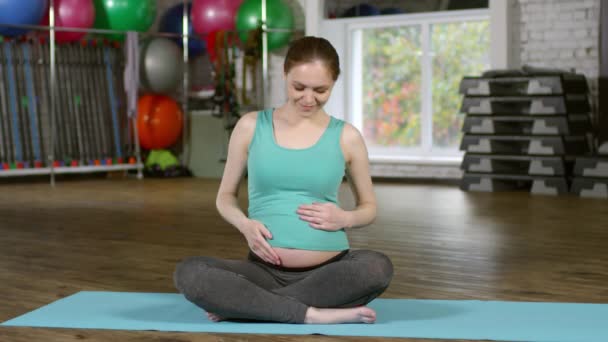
pixel 278 16
pixel 171 22
pixel 161 66
pixel 74 14
pixel 361 10
pixel 20 12
pixel 159 121
pixel 212 15
pixel 124 15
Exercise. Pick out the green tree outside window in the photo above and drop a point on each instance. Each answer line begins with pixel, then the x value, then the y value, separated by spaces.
pixel 392 81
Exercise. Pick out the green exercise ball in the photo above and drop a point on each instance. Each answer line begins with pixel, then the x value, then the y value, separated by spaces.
pixel 124 15
pixel 278 16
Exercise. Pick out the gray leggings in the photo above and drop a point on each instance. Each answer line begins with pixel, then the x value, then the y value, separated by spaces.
pixel 254 290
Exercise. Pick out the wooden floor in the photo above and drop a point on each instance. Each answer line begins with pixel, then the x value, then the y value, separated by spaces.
pixel 127 235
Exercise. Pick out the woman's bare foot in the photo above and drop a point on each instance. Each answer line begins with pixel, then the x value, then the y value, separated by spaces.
pixel 213 317
pixel 361 314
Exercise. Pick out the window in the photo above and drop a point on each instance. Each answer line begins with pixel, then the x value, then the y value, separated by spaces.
pixel 405 76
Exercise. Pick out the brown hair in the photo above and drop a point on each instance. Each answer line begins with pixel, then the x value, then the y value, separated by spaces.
pixel 309 49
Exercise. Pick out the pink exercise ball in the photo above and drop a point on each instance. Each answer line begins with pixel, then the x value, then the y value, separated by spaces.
pixel 212 15
pixel 73 14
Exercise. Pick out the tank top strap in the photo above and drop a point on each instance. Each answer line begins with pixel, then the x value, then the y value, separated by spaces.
pixel 264 121
pixel 334 131
pixel 263 128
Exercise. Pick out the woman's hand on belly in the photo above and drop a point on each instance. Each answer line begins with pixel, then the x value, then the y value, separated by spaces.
pixel 324 216
pixel 256 234
pixel 303 258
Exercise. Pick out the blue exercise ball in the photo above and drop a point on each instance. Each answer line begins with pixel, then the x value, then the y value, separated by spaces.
pixel 361 10
pixel 171 22
pixel 20 12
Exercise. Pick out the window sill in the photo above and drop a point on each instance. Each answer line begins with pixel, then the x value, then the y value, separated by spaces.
pixel 417 160
pixel 445 168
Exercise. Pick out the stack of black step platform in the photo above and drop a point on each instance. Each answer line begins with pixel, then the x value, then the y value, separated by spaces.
pixel 524 129
pixel 591 174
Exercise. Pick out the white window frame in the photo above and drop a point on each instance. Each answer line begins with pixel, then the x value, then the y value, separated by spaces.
pixel 424 20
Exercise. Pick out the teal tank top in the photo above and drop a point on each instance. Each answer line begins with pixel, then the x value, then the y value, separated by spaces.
pixel 281 179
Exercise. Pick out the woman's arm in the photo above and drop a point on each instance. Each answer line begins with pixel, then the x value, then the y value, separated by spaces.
pixel 226 201
pixel 358 176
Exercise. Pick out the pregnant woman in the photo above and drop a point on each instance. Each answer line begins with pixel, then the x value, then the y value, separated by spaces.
pixel 300 268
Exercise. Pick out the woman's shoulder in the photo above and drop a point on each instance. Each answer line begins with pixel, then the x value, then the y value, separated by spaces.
pixel 350 134
pixel 249 119
pixel 247 122
pixel 245 128
pixel 351 141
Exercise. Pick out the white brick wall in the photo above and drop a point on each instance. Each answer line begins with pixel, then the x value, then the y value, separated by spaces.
pixel 559 34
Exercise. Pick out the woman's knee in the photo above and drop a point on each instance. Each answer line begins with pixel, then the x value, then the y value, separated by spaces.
pixel 378 266
pixel 189 274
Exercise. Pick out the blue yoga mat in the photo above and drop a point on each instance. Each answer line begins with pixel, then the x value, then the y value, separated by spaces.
pixel 447 319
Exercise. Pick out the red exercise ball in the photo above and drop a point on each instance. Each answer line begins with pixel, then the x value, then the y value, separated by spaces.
pixel 72 14
pixel 159 121
pixel 214 15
